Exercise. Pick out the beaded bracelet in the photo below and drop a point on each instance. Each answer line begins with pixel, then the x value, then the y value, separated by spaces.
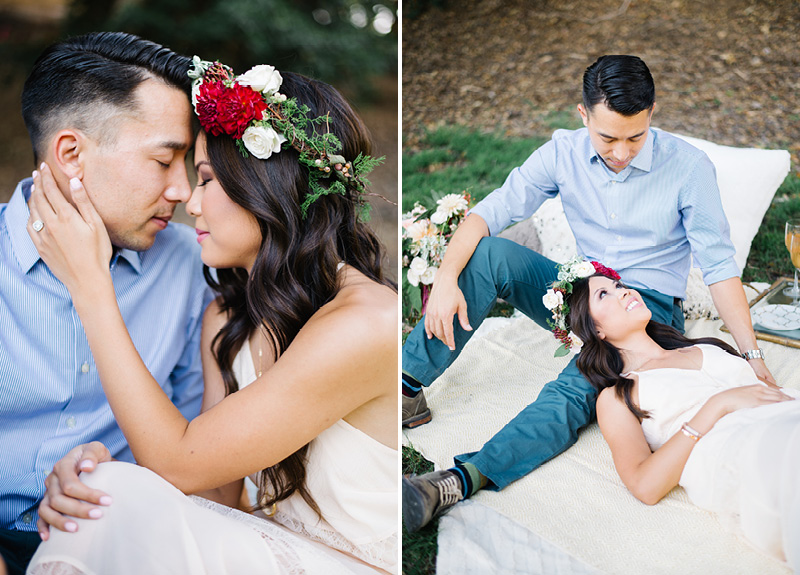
pixel 691 432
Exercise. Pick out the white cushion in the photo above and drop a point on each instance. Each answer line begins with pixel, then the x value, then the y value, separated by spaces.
pixel 747 178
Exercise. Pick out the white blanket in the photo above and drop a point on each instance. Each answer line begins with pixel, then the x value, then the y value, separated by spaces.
pixel 577 501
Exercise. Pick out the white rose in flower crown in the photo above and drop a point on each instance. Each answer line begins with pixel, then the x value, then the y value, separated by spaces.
pixel 196 92
pixel 262 141
pixel 577 343
pixel 552 299
pixel 428 276
pixel 262 78
pixel 584 270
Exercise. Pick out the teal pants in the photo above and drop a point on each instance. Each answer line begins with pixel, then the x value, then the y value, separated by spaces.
pixel 548 426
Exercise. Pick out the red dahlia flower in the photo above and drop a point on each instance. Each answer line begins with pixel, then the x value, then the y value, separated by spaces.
pixel 606 271
pixel 221 109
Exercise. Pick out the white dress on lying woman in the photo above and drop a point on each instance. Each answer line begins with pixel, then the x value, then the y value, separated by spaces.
pixel 153 528
pixel 747 467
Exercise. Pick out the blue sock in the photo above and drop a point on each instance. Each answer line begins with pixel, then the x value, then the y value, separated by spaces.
pixel 411 387
pixel 470 478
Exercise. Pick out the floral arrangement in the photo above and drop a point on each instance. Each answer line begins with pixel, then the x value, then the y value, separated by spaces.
pixel 425 236
pixel 555 299
pixel 260 119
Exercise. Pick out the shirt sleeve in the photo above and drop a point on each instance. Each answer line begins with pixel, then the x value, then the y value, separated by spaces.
pixel 187 377
pixel 706 225
pixel 524 190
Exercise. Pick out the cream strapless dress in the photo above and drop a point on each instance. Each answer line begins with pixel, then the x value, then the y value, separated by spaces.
pixel 154 528
pixel 746 469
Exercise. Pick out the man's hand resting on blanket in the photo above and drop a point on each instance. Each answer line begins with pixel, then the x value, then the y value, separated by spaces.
pixel 67 496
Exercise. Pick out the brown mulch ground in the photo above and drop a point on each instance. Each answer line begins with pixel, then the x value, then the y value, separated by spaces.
pixel 725 70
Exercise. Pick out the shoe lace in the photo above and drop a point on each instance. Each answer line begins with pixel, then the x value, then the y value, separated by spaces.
pixel 449 490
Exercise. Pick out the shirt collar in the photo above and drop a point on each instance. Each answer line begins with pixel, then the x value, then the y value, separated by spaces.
pixel 17 216
pixel 643 160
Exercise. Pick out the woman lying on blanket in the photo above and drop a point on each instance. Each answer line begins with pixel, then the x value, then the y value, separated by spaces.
pixel 300 357
pixel 678 411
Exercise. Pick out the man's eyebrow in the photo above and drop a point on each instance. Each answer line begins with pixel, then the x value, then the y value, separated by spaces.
pixel 602 135
pixel 173 145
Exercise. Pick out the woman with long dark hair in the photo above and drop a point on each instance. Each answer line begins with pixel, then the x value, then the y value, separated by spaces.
pixel 689 412
pixel 300 356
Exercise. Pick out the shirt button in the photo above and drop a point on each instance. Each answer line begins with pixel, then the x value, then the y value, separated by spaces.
pixel 619 238
pixel 27 518
pixel 71 422
pixel 85 368
pixel 613 216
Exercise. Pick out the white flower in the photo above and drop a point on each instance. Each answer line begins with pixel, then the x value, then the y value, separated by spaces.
pixel 552 299
pixel 199 67
pixel 428 276
pixel 418 209
pixel 262 141
pixel 262 78
pixel 438 217
pixel 413 277
pixel 196 92
pixel 450 205
pixel 584 270
pixel 418 266
pixel 418 230
pixel 577 344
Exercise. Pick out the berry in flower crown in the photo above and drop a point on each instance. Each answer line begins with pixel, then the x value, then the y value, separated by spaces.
pixel 261 120
pixel 556 296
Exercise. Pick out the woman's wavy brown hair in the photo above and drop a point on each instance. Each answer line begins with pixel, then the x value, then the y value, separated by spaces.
pixel 295 270
pixel 601 363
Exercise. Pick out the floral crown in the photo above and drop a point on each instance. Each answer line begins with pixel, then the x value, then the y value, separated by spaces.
pixel 250 109
pixel 555 299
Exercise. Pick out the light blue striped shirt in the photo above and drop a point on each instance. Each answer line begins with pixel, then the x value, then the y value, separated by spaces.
pixel 644 222
pixel 50 394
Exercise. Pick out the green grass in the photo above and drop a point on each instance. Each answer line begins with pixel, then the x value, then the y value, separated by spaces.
pixel 419 549
pixel 454 159
pixel 769 259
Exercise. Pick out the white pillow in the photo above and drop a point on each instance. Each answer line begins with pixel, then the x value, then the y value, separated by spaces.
pixel 555 235
pixel 747 178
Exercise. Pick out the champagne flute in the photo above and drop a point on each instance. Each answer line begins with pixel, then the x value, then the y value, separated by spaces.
pixel 792 241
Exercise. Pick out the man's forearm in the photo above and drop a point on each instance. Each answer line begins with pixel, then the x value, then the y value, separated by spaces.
pixel 728 296
pixel 731 303
pixel 461 247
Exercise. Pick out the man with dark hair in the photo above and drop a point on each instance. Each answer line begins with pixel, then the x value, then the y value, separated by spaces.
pixel 637 200
pixel 111 110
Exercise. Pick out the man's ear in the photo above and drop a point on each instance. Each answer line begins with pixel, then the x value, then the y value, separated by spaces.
pixel 68 147
pixel 584 115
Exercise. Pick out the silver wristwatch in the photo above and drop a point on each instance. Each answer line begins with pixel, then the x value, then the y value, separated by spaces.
pixel 753 354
